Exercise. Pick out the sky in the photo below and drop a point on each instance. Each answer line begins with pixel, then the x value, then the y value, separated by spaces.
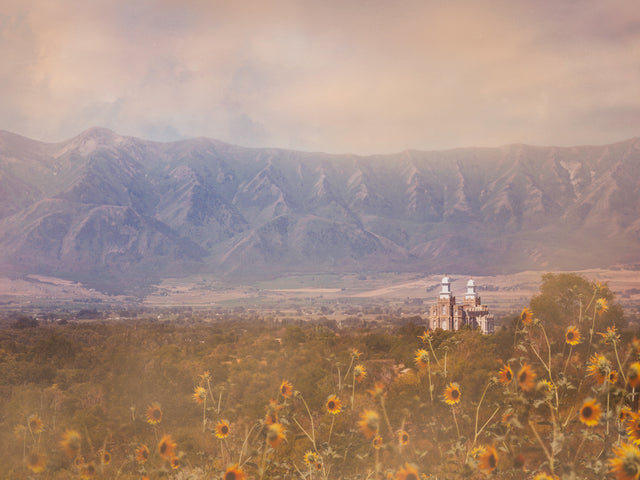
pixel 348 76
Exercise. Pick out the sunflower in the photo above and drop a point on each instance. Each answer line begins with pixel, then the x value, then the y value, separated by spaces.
pixel 508 418
pixel 272 412
pixel 623 415
pixel 334 405
pixel 421 358
pixel 625 465
pixel 545 386
pixel 572 336
pixel 154 414
pixel 369 423
pixel 409 472
pixel 199 395
pixel 519 462
pixel 526 377
pixel 234 473
pixel 71 443
pixel 19 431
pixel 167 447
pixel 544 476
pixel 205 377
pixel 142 453
pixel 526 316
pixel 633 427
pixel 36 425
pixel 452 394
pixel 355 353
pixel 286 389
pixel 310 458
pixel 359 372
pixel 105 457
pixel 275 434
pixel 175 463
pixel 633 376
pixel 78 462
pixel 599 367
pixel 611 336
pixel 377 442
pixel 88 471
pixel 601 306
pixel 426 337
pixel 36 462
pixel 403 437
pixel 590 413
pixel 488 460
pixel 613 377
pixel 270 418
pixel 222 429
pixel 506 374
pixel 378 390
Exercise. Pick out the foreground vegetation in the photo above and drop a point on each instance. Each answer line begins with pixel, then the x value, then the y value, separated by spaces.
pixel 551 395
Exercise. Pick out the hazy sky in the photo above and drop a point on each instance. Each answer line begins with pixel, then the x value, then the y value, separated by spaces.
pixel 322 75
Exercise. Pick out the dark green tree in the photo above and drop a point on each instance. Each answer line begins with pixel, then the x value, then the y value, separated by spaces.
pixel 571 299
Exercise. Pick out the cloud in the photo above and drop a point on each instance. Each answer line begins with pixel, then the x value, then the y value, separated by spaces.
pixel 358 77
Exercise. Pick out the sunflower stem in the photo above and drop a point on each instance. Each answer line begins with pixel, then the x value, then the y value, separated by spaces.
pixel 386 418
pixel 608 395
pixel 568 358
pixel 305 432
pixel 333 419
pixel 434 353
pixel 353 391
pixel 455 420
pixel 313 429
pixel 477 432
pixel 544 448
pixel 244 443
pixel 430 386
pixel 615 349
pixel 204 417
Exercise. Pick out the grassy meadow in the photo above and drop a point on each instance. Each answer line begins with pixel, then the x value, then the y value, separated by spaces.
pixel 240 395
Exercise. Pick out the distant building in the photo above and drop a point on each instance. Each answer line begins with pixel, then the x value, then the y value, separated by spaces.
pixel 445 314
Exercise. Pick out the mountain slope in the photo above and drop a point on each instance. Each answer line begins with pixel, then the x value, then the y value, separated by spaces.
pixel 104 207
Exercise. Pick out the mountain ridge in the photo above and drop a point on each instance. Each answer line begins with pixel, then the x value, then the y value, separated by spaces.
pixel 123 212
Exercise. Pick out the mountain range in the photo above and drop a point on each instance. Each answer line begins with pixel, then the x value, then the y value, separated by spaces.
pixel 120 212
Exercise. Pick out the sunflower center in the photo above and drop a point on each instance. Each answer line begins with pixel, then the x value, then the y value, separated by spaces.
pixel 405 438
pixel 492 461
pixel 230 476
pixel 630 468
pixel 224 429
pixel 587 412
pixel 569 335
pixel 411 476
pixel 331 405
pixel 455 394
pixel 508 375
pixel 523 377
pixel 163 447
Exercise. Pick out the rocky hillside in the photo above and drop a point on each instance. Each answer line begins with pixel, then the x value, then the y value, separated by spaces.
pixel 117 211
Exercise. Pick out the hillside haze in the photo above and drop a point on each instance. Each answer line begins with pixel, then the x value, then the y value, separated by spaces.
pixel 117 212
